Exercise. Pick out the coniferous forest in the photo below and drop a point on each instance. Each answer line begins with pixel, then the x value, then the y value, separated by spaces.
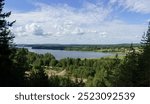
pixel 19 67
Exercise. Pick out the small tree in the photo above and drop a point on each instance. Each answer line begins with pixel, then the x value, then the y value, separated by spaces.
pixel 38 78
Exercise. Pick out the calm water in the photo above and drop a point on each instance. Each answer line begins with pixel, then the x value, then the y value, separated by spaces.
pixel 60 54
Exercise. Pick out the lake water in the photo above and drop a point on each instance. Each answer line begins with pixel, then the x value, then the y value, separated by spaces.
pixel 60 54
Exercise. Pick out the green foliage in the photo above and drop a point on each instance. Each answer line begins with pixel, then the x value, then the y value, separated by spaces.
pixel 20 65
pixel 56 81
pixel 107 75
pixel 129 69
pixel 37 64
pixel 9 73
pixel 53 62
pixel 38 78
pixel 144 60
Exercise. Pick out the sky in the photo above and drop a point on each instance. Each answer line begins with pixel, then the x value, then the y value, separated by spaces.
pixel 78 21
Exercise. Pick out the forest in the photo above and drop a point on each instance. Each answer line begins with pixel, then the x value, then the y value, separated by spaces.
pixel 19 67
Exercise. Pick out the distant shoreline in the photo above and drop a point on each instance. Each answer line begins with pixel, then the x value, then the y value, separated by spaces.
pixel 109 48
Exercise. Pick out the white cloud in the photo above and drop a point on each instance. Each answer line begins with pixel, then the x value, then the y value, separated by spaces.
pixel 28 30
pixel 139 6
pixel 64 24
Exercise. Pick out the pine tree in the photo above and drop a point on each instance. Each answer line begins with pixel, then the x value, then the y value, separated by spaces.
pixel 145 60
pixel 6 47
pixel 38 78
pixel 129 73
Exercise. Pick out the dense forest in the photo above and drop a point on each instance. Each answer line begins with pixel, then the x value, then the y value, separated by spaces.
pixel 19 67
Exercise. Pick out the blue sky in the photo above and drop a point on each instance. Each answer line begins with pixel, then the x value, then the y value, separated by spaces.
pixel 79 21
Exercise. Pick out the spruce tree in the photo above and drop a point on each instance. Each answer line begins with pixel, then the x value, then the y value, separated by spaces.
pixel 129 73
pixel 38 78
pixel 6 45
pixel 144 61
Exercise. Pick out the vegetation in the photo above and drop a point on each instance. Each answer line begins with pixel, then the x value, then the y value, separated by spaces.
pixel 19 67
pixel 10 72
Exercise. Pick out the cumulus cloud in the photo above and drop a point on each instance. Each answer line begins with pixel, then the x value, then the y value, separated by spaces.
pixel 29 29
pixel 139 6
pixel 34 29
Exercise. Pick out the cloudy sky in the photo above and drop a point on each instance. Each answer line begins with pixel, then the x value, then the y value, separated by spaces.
pixel 78 21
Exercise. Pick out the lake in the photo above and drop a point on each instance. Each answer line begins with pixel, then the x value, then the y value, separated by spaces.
pixel 60 54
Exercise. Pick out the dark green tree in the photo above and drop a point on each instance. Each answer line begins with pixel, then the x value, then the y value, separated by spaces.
pixel 38 78
pixel 144 62
pixel 53 62
pixel 107 75
pixel 129 73
pixel 6 48
pixel 20 65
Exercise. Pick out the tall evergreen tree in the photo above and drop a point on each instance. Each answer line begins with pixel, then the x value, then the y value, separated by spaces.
pixel 145 60
pixel 6 45
pixel 129 73
pixel 20 65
